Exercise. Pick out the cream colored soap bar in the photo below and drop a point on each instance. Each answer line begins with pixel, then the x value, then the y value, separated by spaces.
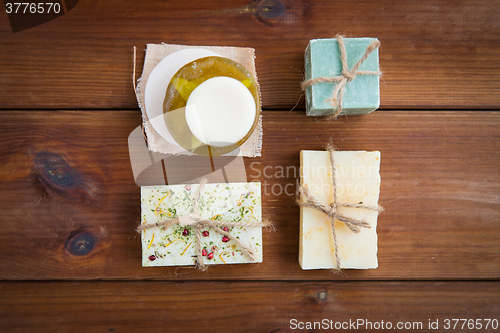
pixel 358 181
pixel 220 202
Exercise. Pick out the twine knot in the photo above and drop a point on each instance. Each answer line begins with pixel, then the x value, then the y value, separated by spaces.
pixel 197 222
pixel 333 210
pixel 347 76
pixel 191 219
pixel 305 199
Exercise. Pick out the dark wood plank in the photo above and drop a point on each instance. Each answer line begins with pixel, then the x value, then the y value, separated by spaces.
pixel 245 306
pixel 66 179
pixel 435 54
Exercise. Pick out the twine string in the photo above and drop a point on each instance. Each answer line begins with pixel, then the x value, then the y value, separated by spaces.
pixel 336 101
pixel 198 223
pixel 305 199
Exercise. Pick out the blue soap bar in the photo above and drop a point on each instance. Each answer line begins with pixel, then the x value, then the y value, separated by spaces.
pixel 322 59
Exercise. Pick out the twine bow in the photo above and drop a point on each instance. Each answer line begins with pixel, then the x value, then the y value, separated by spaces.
pixel 347 76
pixel 198 223
pixel 332 210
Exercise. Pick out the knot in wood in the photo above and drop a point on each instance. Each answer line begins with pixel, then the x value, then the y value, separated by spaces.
pixel 269 9
pixel 54 171
pixel 81 243
pixel 322 295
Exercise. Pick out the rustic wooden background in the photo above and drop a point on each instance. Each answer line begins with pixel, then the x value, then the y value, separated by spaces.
pixel 68 106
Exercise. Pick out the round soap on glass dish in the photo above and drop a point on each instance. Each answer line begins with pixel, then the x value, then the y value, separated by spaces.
pixel 212 106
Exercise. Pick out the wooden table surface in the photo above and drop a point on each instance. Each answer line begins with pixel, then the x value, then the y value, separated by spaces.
pixel 67 109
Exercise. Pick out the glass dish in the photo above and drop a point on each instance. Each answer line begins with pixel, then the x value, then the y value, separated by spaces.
pixel 182 85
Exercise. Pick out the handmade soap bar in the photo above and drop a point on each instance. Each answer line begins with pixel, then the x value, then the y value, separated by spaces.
pixel 220 202
pixel 322 59
pixel 358 182
pixel 220 111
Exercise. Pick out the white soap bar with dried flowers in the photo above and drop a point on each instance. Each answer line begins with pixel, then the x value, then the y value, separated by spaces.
pixel 358 182
pixel 176 246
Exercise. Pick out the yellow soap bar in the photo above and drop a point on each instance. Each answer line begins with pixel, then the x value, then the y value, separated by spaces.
pixel 357 175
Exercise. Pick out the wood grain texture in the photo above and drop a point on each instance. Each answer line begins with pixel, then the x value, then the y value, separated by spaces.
pixel 70 205
pixel 434 54
pixel 242 306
